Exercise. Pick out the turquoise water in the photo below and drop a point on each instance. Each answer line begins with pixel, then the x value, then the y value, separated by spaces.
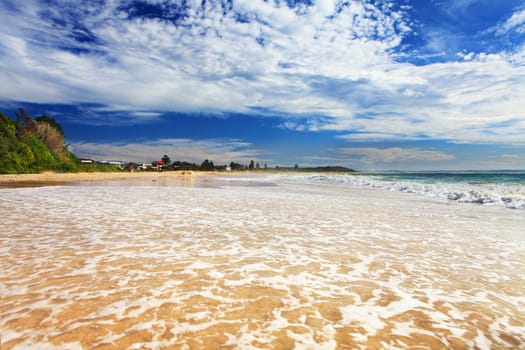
pixel 499 188
pixel 494 177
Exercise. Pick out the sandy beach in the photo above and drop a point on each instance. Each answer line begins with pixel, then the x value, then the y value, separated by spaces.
pixel 50 178
pixel 255 262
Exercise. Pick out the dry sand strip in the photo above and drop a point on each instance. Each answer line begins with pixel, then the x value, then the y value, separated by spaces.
pixel 14 180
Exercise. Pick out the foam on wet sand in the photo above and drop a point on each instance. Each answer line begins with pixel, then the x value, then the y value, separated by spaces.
pixel 291 265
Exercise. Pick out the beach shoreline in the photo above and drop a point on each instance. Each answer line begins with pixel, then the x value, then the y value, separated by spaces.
pixel 238 264
pixel 53 178
pixel 164 260
pixel 163 178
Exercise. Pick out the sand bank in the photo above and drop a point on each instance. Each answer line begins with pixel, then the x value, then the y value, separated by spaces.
pixel 45 178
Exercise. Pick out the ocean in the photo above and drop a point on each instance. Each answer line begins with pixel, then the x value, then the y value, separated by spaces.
pixel 264 262
pixel 504 188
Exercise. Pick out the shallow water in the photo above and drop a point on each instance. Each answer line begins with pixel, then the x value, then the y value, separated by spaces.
pixel 296 265
pixel 506 189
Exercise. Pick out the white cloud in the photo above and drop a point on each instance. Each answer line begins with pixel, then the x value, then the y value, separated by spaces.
pixel 293 126
pixel 515 23
pixel 475 101
pixel 220 151
pixel 500 161
pixel 374 155
pixel 213 61
pixel 467 56
pixel 146 115
pixel 330 62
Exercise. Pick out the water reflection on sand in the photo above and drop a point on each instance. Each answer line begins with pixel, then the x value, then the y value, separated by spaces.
pixel 233 265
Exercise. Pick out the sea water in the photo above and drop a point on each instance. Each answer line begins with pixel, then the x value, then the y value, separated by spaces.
pixel 257 263
pixel 505 188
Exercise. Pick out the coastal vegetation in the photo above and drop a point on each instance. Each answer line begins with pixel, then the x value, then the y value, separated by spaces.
pixel 34 145
pixel 30 145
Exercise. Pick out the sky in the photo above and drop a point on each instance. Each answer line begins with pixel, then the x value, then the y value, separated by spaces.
pixel 369 84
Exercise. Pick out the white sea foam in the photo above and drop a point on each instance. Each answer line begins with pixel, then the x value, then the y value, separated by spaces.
pixel 313 266
pixel 508 195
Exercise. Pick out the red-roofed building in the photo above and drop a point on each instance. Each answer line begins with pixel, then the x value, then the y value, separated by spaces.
pixel 159 164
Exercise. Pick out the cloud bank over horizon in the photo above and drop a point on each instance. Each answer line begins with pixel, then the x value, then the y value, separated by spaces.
pixel 221 151
pixel 374 72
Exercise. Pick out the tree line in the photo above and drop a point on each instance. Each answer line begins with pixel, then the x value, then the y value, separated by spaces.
pixel 30 145
pixel 206 165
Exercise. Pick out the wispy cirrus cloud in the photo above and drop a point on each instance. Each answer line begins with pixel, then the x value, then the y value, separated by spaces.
pixel 318 65
pixel 516 23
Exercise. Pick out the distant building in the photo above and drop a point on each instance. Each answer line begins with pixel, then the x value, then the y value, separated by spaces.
pixel 159 164
pixel 115 163
pixel 145 166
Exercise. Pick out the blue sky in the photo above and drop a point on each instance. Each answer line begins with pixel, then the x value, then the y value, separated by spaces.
pixel 373 85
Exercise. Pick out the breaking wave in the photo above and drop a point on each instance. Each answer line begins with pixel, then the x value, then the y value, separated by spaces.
pixel 507 193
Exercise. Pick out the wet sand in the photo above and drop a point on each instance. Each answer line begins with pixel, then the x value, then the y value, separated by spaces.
pixel 239 264
pixel 57 179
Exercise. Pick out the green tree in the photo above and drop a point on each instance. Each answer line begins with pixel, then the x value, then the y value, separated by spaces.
pixel 252 165
pixel 44 158
pixel 14 154
pixel 207 165
pixel 24 120
pixel 236 166
pixel 166 160
pixel 28 146
pixel 46 129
